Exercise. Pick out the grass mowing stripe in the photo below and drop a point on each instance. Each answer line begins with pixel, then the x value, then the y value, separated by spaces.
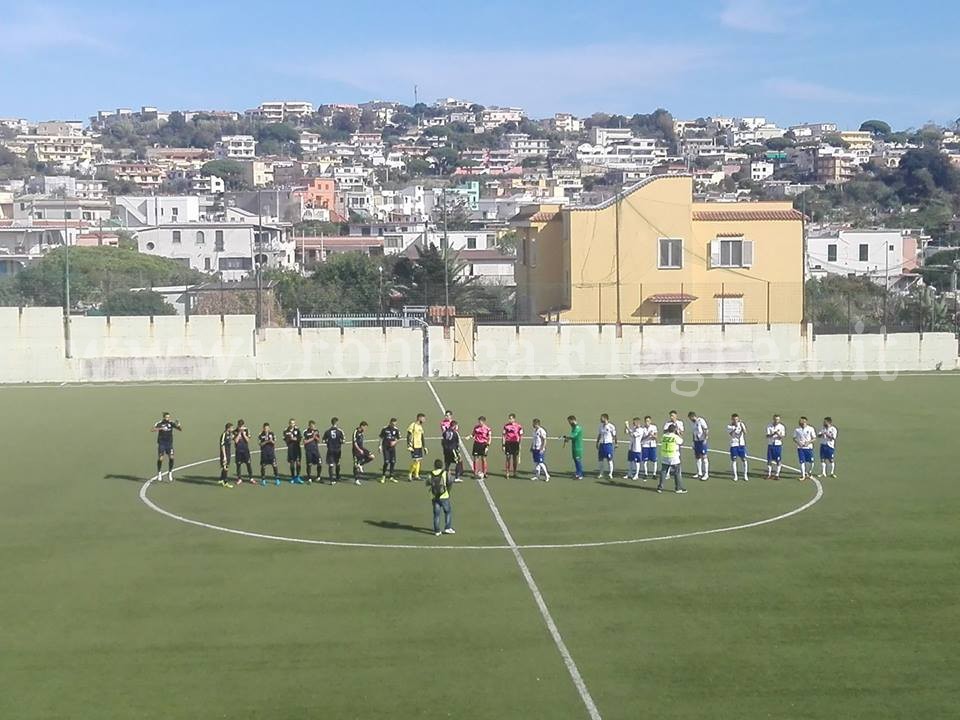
pixel 568 660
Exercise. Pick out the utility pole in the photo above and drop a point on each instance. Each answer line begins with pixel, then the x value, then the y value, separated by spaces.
pixel 446 273
pixel 66 278
pixel 617 249
pixel 258 245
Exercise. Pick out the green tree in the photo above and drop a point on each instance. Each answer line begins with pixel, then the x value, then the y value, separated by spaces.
pixel 230 171
pixel 445 159
pixel 96 272
pixel 835 140
pixel 140 302
pixel 877 128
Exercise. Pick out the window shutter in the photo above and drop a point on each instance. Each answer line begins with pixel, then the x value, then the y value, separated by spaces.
pixel 747 253
pixel 714 253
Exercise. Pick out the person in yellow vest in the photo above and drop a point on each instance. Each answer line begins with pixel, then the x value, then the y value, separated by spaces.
pixel 440 492
pixel 416 446
pixel 670 443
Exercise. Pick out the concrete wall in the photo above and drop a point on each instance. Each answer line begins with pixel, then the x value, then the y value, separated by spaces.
pixel 32 349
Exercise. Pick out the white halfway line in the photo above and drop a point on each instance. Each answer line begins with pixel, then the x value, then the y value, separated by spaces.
pixel 534 589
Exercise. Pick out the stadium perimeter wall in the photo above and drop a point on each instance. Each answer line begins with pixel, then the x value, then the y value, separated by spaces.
pixel 123 349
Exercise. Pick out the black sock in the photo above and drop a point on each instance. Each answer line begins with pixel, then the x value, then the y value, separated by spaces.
pixel 159 465
pixel 170 465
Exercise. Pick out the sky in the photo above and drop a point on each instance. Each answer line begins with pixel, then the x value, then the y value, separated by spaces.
pixel 788 60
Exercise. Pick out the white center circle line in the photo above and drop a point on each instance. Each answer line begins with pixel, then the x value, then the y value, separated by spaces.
pixel 534 546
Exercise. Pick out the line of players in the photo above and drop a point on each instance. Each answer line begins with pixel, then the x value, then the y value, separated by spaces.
pixel 643 436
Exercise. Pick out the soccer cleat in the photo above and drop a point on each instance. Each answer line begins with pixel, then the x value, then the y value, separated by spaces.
pixel 681 491
pixel 833 475
pixel 736 480
pixel 437 534
pixel 383 480
pixel 746 479
pixel 449 531
pixel 705 477
pixel 333 482
pixel 169 477
pixel 458 480
pixel 546 478
pixel 394 480
pixel 159 477
pixel 535 477
pixel 659 490
pixel 357 482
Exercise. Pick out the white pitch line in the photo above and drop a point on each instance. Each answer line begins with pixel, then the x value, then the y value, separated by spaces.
pixel 572 668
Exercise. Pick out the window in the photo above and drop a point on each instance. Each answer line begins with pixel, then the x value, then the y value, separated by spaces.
pixel 864 252
pixel 831 253
pixel 731 252
pixel 89 216
pixel 175 212
pixel 150 246
pixel 176 237
pixel 38 214
pixel 890 248
pixel 218 241
pixel 471 243
pixel 207 264
pixel 68 215
pixel 730 309
pixel 391 242
pixel 240 263
pixel 200 237
pixel 671 253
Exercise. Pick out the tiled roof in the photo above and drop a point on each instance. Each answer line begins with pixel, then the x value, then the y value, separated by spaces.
pixel 746 215
pixel 671 298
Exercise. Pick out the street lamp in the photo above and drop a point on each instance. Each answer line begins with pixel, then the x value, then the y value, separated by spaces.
pixel 380 293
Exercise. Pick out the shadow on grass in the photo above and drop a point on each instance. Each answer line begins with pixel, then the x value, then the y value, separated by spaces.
pixel 391 525
pixel 130 478
pixel 617 483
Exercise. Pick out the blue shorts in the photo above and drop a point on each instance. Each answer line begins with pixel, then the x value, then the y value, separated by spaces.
pixel 827 452
pixel 312 453
pixel 700 448
pixel 774 453
pixel 605 451
pixel 648 453
pixel 537 456
pixel 634 456
pixel 805 455
pixel 268 456
pixel 738 451
pixel 243 454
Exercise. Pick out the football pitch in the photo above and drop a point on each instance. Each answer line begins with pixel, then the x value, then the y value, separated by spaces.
pixel 590 599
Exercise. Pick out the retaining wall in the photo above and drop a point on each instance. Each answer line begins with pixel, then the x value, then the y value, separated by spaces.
pixel 33 349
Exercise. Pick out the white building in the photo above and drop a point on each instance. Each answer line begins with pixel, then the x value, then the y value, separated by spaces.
pixel 522 145
pixel 231 249
pixel 639 154
pixel 236 147
pixel 28 208
pixel 134 211
pixel 885 256
pixel 813 131
pixel 609 136
pixel 566 123
pixel 494 116
pixel 68 152
pixel 740 135
pixel 68 186
pixel 279 111
pixel 760 170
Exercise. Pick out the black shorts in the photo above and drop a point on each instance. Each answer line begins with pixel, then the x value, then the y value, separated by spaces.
pixel 512 448
pixel 268 457
pixel 389 453
pixel 224 456
pixel 480 449
pixel 243 455
pixel 293 453
pixel 362 457
pixel 416 453
pixel 164 449
pixel 450 456
pixel 333 457
pixel 312 453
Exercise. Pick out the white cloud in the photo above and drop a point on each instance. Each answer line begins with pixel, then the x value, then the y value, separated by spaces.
pixel 35 26
pixel 759 16
pixel 554 78
pixel 793 89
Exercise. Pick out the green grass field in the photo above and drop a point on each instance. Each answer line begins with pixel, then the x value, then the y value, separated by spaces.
pixel 111 610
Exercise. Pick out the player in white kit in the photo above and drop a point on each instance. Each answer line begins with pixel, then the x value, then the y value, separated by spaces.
pixel 776 433
pixel 737 431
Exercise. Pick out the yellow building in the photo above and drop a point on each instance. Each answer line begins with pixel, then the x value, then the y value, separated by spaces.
pixel 653 255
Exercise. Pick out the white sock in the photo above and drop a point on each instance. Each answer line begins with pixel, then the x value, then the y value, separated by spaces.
pixel 610 467
pixel 833 467
pixel 744 468
pixel 734 464
pixel 778 469
pixel 706 467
